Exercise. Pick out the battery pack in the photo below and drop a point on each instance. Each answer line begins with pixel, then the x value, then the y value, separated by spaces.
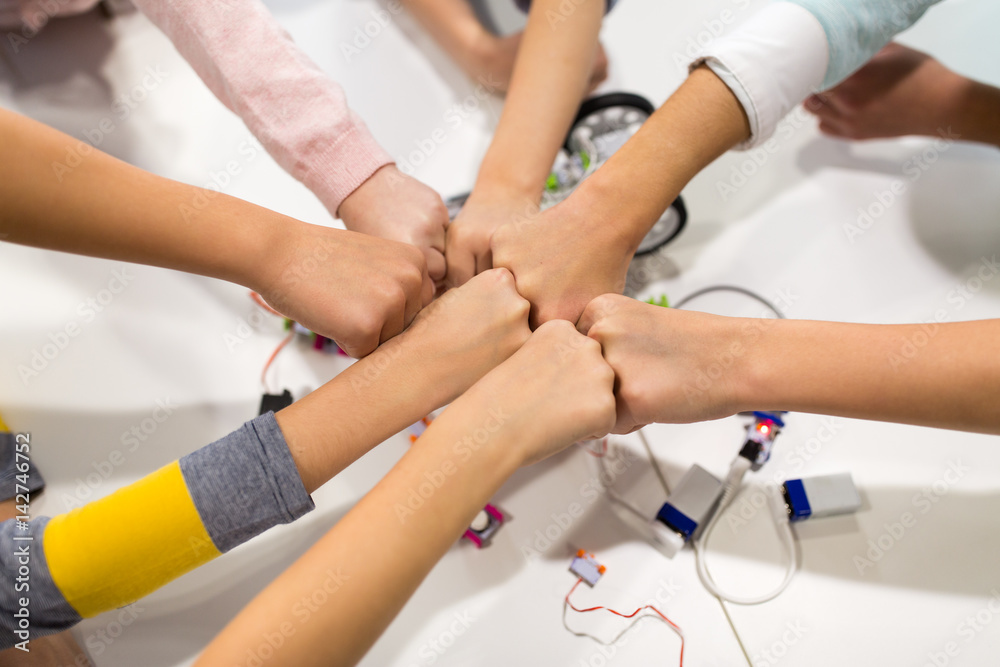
pixel 686 508
pixel 816 497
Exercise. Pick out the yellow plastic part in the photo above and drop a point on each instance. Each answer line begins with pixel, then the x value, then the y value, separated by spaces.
pixel 116 550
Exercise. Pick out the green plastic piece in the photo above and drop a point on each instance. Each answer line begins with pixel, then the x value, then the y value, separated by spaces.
pixel 552 183
pixel 585 159
pixel 662 301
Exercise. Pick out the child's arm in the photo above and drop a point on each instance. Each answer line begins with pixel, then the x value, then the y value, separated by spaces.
pixel 550 77
pixel 353 288
pixel 117 549
pixel 680 366
pixel 301 117
pixel 553 391
pixel 486 57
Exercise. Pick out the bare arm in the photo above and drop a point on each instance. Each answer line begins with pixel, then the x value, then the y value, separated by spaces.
pixel 550 77
pixel 553 391
pixel 679 366
pixel 62 194
pixel 581 248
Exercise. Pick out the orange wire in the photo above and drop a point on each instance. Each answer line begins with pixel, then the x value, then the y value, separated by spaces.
pixel 673 625
pixel 259 300
pixel 600 454
pixel 281 346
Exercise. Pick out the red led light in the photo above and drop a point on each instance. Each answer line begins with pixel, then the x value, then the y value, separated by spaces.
pixel 762 428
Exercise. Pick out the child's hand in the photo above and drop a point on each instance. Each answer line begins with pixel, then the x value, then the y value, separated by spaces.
pixel 356 289
pixel 394 206
pixel 900 91
pixel 469 235
pixel 561 260
pixel 464 334
pixel 554 391
pixel 491 59
pixel 672 366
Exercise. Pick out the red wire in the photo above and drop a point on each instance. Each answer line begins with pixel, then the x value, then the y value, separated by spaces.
pixel 263 304
pixel 281 346
pixel 673 625
pixel 600 454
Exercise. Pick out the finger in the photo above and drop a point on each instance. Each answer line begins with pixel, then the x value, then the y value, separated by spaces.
pixel 591 314
pixel 437 267
pixel 461 266
pixel 484 262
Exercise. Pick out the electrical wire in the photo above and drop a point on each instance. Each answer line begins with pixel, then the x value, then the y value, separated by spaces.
pixel 567 604
pixel 731 288
pixel 600 454
pixel 274 355
pixel 731 489
pixel 259 300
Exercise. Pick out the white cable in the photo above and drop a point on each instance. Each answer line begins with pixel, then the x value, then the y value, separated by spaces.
pixel 731 489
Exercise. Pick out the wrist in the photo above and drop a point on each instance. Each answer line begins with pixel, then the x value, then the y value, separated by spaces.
pixel 979 107
pixel 593 211
pixel 758 345
pixel 267 241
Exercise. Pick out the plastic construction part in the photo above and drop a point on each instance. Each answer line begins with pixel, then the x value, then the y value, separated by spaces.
pixel 686 509
pixel 817 497
pixel 662 301
pixel 275 402
pixel 760 438
pixel 586 567
pixel 484 526
pixel 418 429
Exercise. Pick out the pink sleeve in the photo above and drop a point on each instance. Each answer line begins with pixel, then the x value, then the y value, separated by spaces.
pixel 296 111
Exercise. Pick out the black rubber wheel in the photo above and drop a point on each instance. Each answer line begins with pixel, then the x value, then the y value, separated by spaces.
pixel 602 102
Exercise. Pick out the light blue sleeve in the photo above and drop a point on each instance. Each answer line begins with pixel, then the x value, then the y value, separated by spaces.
pixel 857 29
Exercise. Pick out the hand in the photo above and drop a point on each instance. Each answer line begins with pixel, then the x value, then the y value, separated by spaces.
pixel 562 259
pixel 554 391
pixel 491 58
pixel 464 334
pixel 394 206
pixel 356 289
pixel 672 366
pixel 470 233
pixel 899 92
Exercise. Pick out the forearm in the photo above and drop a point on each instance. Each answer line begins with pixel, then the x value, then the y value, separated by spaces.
pixel 698 123
pixel 296 111
pixel 373 399
pixel 978 119
pixel 550 77
pixel 97 205
pixel 452 24
pixel 941 375
pixel 372 561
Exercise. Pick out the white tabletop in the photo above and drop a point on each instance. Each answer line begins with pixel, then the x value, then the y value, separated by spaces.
pixel 867 592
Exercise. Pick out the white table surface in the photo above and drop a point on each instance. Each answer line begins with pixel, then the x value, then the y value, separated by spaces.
pixel 781 234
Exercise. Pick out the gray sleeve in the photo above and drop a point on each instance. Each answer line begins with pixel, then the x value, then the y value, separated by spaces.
pixel 31 605
pixel 245 483
pixel 9 472
pixel 857 29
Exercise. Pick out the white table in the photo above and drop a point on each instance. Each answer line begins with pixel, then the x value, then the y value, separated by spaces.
pixel 164 337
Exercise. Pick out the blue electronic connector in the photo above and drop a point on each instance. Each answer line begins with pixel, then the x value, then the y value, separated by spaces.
pixel 686 509
pixel 816 497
